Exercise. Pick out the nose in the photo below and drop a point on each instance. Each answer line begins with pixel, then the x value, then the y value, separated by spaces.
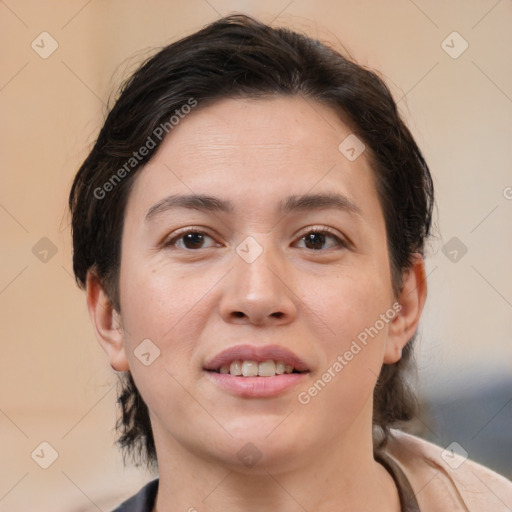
pixel 258 292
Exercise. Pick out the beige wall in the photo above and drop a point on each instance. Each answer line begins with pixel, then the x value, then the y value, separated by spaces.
pixel 55 383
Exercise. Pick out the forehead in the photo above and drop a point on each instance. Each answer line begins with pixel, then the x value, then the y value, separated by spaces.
pixel 253 150
pixel 271 127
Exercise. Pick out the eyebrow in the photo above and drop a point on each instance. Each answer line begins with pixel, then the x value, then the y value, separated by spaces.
pixel 208 203
pixel 320 201
pixel 192 202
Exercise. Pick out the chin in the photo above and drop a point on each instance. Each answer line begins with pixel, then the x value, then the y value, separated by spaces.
pixel 263 443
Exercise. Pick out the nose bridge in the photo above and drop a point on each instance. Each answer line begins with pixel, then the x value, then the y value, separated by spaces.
pixel 256 291
pixel 257 267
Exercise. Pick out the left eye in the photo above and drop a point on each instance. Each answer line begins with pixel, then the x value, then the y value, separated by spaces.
pixel 321 239
pixel 192 240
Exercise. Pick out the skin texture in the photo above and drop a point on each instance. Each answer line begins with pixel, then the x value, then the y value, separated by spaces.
pixel 193 303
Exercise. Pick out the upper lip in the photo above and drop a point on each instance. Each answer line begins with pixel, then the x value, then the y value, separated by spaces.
pixel 255 353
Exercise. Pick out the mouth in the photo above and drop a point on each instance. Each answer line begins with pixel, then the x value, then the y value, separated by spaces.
pixel 253 361
pixel 256 371
pixel 250 368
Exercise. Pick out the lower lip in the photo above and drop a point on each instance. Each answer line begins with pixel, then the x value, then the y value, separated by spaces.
pixel 256 387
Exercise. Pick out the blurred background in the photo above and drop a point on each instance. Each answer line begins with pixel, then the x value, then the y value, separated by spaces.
pixel 449 66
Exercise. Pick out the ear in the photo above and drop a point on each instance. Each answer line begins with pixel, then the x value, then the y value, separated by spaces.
pixel 411 299
pixel 106 322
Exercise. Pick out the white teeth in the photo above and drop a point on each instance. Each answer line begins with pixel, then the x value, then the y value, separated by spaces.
pixel 249 368
pixel 280 366
pixel 235 368
pixel 267 369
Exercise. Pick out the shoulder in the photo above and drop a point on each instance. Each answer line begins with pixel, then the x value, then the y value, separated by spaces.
pixel 143 501
pixel 445 481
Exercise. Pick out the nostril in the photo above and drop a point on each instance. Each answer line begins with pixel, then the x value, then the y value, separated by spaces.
pixel 241 314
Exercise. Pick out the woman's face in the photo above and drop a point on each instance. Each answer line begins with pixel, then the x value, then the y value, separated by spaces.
pixel 284 261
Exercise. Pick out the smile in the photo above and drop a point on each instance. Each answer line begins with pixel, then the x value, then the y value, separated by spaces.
pixel 256 371
pixel 248 368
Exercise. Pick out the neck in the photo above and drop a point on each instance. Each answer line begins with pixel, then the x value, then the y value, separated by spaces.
pixel 340 476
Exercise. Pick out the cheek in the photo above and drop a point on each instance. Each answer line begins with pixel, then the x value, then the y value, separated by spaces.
pixel 172 309
pixel 349 304
pixel 353 346
pixel 353 339
pixel 156 299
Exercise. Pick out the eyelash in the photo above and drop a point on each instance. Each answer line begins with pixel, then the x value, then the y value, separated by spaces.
pixel 317 230
pixel 339 242
pixel 180 234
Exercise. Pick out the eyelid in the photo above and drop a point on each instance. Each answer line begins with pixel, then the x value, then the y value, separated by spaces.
pixel 343 240
pixel 172 238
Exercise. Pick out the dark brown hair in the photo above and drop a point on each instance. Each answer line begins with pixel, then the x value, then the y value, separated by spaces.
pixel 238 56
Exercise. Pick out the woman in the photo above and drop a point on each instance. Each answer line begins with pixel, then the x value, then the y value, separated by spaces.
pixel 249 228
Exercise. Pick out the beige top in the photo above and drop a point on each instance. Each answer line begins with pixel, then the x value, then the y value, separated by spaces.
pixel 428 483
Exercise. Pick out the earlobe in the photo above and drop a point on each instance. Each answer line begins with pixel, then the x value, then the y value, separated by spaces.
pixel 106 322
pixel 411 299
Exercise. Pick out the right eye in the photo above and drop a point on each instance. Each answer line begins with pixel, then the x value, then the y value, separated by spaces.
pixel 191 240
